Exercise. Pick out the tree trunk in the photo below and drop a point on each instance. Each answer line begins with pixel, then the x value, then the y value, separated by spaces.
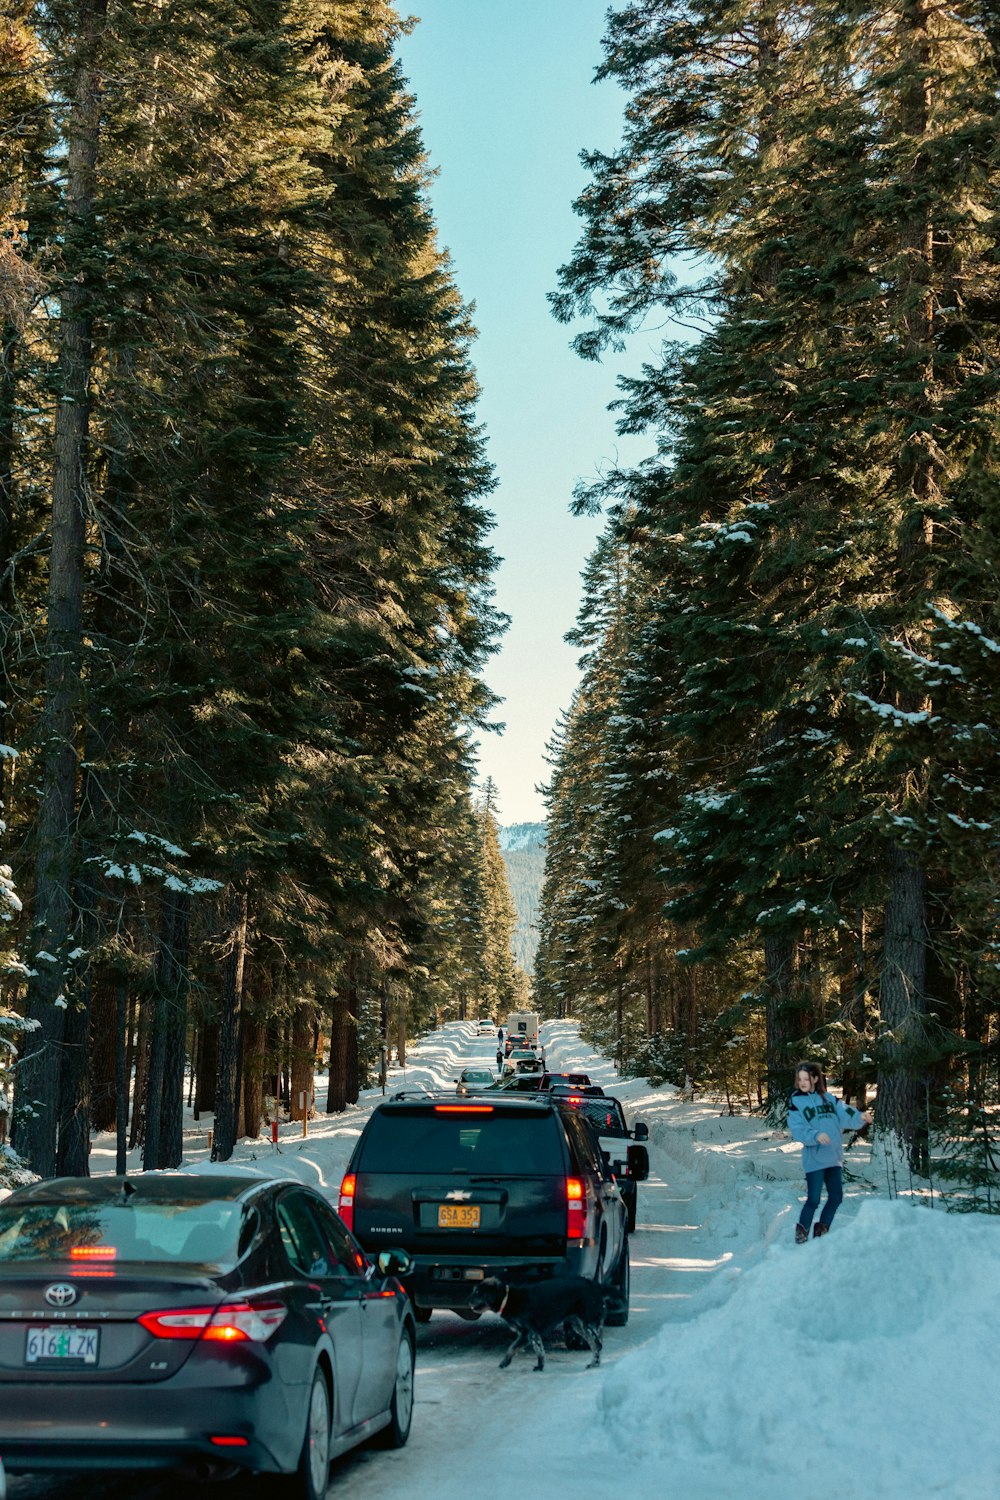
pixel 252 1092
pixel 39 1074
pixel 105 1043
pixel 336 1099
pixel 73 1141
pixel 353 1060
pixel 228 1082
pixel 8 402
pixel 140 1090
pixel 130 1037
pixel 158 1038
pixel 401 1041
pixel 121 1073
pixel 780 1033
pixel 900 1102
pixel 176 982
pixel 900 1106
pixel 301 1056
pixel 208 1069
pixel 852 986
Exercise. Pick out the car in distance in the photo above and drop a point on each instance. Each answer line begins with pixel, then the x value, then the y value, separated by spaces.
pixel 502 1184
pixel 519 1083
pixel 572 1080
pixel 473 1080
pixel 208 1322
pixel 629 1163
pixel 521 1055
pixel 485 1028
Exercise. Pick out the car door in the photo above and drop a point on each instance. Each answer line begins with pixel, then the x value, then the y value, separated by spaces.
pixel 380 1328
pixel 338 1300
pixel 606 1189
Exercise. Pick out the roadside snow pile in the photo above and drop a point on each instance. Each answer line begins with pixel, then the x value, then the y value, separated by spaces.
pixel 866 1357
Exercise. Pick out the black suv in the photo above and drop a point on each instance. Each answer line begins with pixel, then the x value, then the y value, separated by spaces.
pixel 514 1186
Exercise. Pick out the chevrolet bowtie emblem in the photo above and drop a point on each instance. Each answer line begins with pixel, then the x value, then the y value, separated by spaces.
pixel 457 1193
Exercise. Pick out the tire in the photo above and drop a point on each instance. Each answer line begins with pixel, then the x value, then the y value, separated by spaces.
pixel 619 1290
pixel 422 1314
pixel 312 1477
pixel 401 1406
pixel 632 1208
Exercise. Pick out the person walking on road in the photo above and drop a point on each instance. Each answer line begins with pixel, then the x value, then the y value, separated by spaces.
pixel 817 1121
pixel 499 1059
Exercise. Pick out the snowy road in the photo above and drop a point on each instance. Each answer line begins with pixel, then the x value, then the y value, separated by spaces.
pixel 469 1414
pixel 702 1394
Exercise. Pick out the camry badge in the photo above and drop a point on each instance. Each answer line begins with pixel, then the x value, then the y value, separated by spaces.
pixel 457 1193
pixel 60 1294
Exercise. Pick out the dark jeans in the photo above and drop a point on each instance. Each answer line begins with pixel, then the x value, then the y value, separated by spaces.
pixel 834 1179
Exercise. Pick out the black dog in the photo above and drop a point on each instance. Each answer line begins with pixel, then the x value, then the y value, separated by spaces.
pixel 533 1310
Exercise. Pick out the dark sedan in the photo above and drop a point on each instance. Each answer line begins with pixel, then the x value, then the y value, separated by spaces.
pixel 207 1322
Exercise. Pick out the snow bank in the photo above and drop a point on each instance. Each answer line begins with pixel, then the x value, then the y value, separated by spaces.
pixel 865 1360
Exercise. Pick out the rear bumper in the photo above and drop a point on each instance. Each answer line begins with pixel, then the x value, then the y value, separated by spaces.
pixel 436 1281
pixel 43 1427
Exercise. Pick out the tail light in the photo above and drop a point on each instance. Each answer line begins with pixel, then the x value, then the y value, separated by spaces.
pixel 576 1210
pixel 463 1109
pixel 93 1252
pixel 232 1323
pixel 345 1206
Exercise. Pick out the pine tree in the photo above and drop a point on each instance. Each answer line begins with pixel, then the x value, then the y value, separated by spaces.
pixel 808 449
pixel 500 990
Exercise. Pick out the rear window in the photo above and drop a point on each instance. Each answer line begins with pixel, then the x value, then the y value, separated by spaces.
pixel 202 1233
pixel 605 1115
pixel 495 1145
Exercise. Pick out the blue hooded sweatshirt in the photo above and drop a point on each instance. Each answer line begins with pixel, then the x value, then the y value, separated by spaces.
pixel 811 1115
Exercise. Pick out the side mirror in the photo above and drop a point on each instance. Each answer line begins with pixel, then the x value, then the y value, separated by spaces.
pixel 641 1131
pixel 638 1163
pixel 394 1263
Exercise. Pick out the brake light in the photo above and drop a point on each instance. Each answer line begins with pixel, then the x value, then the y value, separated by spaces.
pixel 235 1322
pixel 345 1206
pixel 576 1210
pixel 232 1323
pixel 93 1252
pixel 230 1442
pixel 186 1323
pixel 463 1109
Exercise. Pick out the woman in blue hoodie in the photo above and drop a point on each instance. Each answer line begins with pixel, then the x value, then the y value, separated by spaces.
pixel 817 1121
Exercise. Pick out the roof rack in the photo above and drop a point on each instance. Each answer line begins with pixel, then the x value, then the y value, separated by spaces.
pixel 473 1093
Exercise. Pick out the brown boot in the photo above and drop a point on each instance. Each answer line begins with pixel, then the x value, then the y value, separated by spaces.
pixel 801 1235
pixel 819 1229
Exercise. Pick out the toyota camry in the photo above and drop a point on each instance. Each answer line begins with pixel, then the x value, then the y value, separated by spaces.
pixel 210 1322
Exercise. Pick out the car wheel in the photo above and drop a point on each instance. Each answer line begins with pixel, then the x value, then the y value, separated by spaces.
pixel 618 1291
pixel 401 1407
pixel 422 1314
pixel 632 1210
pixel 312 1477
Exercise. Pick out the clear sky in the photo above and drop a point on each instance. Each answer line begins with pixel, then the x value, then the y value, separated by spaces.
pixel 506 104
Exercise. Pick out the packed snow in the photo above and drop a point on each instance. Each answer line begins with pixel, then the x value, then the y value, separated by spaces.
pixel 863 1363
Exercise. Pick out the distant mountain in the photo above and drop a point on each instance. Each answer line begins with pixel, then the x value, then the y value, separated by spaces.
pixel 523 849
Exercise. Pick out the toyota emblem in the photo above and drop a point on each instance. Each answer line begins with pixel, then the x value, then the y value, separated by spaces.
pixel 60 1294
